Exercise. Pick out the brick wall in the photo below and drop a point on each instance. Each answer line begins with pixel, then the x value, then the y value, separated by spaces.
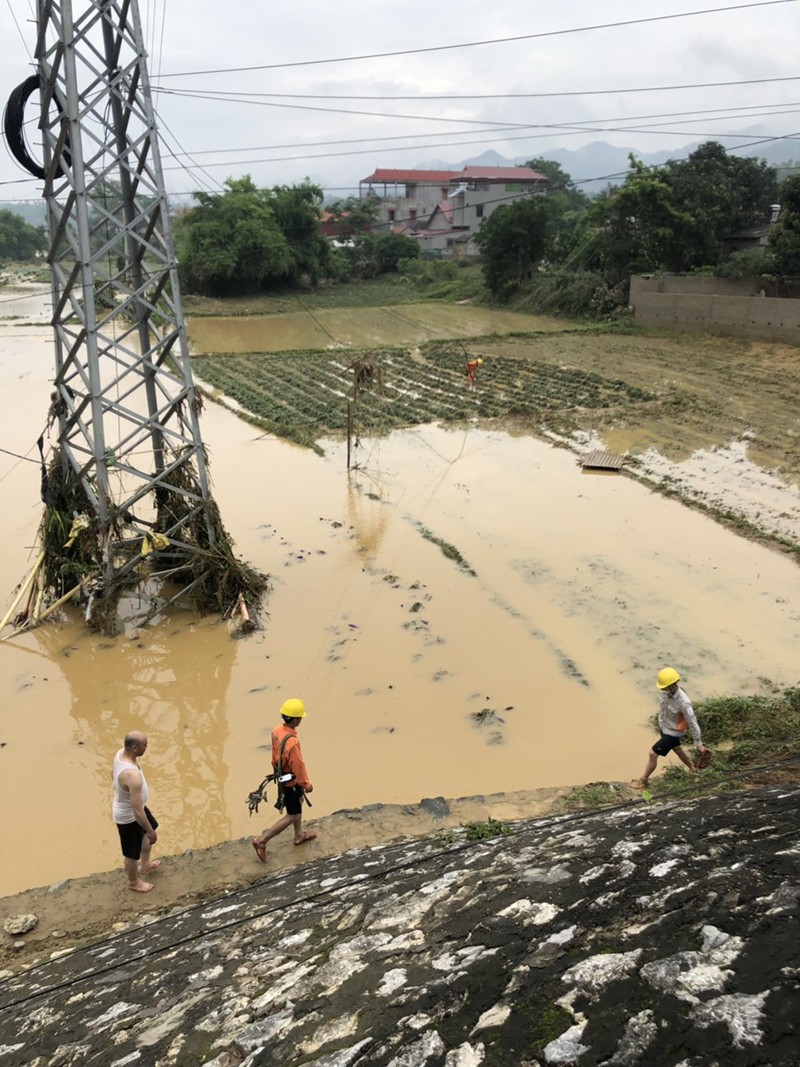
pixel 714 305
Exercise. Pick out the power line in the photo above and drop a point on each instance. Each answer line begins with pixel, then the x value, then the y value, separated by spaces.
pixel 475 44
pixel 499 123
pixel 489 96
pixel 334 110
pixel 19 28
pixel 563 127
pixel 16 455
pixel 712 112
pixel 211 182
pixel 567 130
pixel 655 166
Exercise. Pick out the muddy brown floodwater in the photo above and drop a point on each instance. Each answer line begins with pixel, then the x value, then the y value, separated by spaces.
pixel 583 587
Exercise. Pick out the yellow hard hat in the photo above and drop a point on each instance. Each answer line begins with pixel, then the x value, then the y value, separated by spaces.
pixel 667 676
pixel 293 708
pixel 480 362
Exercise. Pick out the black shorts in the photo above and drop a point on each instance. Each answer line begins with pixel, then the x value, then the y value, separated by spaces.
pixel 293 798
pixel 666 743
pixel 131 836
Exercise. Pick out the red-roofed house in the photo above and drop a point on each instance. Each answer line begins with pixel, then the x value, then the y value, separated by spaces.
pixel 443 209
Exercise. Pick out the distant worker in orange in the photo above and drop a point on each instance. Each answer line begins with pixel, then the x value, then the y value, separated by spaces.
pixel 287 760
pixel 675 716
pixel 472 370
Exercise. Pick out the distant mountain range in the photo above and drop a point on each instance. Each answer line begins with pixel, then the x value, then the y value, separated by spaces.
pixel 596 165
pixel 593 167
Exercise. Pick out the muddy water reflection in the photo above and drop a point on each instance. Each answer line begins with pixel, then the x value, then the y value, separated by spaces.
pixel 583 586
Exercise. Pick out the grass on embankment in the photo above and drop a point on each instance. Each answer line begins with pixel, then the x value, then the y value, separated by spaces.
pixel 753 739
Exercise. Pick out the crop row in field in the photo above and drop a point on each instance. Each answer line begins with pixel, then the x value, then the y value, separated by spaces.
pixel 304 396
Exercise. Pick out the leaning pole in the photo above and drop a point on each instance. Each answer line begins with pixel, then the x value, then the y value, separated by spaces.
pixel 125 485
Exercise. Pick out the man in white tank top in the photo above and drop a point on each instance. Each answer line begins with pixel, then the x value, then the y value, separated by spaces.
pixel 135 822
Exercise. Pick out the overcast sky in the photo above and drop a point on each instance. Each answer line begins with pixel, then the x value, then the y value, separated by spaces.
pixel 309 132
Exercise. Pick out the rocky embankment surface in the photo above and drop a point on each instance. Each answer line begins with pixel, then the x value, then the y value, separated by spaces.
pixel 643 935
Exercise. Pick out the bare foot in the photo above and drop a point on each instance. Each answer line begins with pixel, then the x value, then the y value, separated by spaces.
pixel 151 866
pixel 140 887
pixel 639 783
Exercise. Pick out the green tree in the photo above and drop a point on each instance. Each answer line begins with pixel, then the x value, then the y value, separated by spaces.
pixel 297 211
pixel 559 182
pixel 634 224
pixel 381 253
pixel 512 242
pixel 231 242
pixel 18 239
pixel 676 217
pixel 714 194
pixel 567 207
pixel 354 214
pixel 784 238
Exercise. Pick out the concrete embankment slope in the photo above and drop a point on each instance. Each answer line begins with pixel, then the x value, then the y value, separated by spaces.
pixel 638 935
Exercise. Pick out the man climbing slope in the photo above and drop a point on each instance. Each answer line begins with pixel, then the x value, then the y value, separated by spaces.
pixel 675 715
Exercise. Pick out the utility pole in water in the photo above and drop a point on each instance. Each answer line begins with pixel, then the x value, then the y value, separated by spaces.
pixel 127 502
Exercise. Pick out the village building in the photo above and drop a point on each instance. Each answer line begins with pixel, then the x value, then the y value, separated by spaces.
pixel 443 209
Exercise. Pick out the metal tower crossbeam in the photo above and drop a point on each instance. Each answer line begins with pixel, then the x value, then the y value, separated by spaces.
pixel 125 401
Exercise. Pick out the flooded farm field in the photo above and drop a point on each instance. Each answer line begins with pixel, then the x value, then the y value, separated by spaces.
pixel 523 658
pixel 357 327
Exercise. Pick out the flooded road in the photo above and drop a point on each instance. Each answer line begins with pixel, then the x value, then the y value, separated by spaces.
pixel 530 664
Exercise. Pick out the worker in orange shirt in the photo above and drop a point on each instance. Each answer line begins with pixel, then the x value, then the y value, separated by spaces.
pixel 472 370
pixel 287 759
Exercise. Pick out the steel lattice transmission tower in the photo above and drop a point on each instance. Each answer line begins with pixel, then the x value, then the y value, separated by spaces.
pixel 129 444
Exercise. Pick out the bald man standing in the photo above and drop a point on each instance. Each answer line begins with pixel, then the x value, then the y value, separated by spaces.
pixel 136 823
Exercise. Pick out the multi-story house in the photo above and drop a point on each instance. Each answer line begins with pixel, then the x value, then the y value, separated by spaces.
pixel 443 209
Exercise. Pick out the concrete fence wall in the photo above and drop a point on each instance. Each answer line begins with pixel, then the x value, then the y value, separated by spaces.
pixel 714 305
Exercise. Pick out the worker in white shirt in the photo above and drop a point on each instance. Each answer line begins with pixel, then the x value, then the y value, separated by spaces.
pixel 675 716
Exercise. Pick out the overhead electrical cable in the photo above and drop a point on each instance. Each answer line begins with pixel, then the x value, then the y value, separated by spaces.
pixel 210 182
pixel 19 28
pixel 708 113
pixel 161 40
pixel 497 123
pixel 542 35
pixel 489 96
pixel 568 131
